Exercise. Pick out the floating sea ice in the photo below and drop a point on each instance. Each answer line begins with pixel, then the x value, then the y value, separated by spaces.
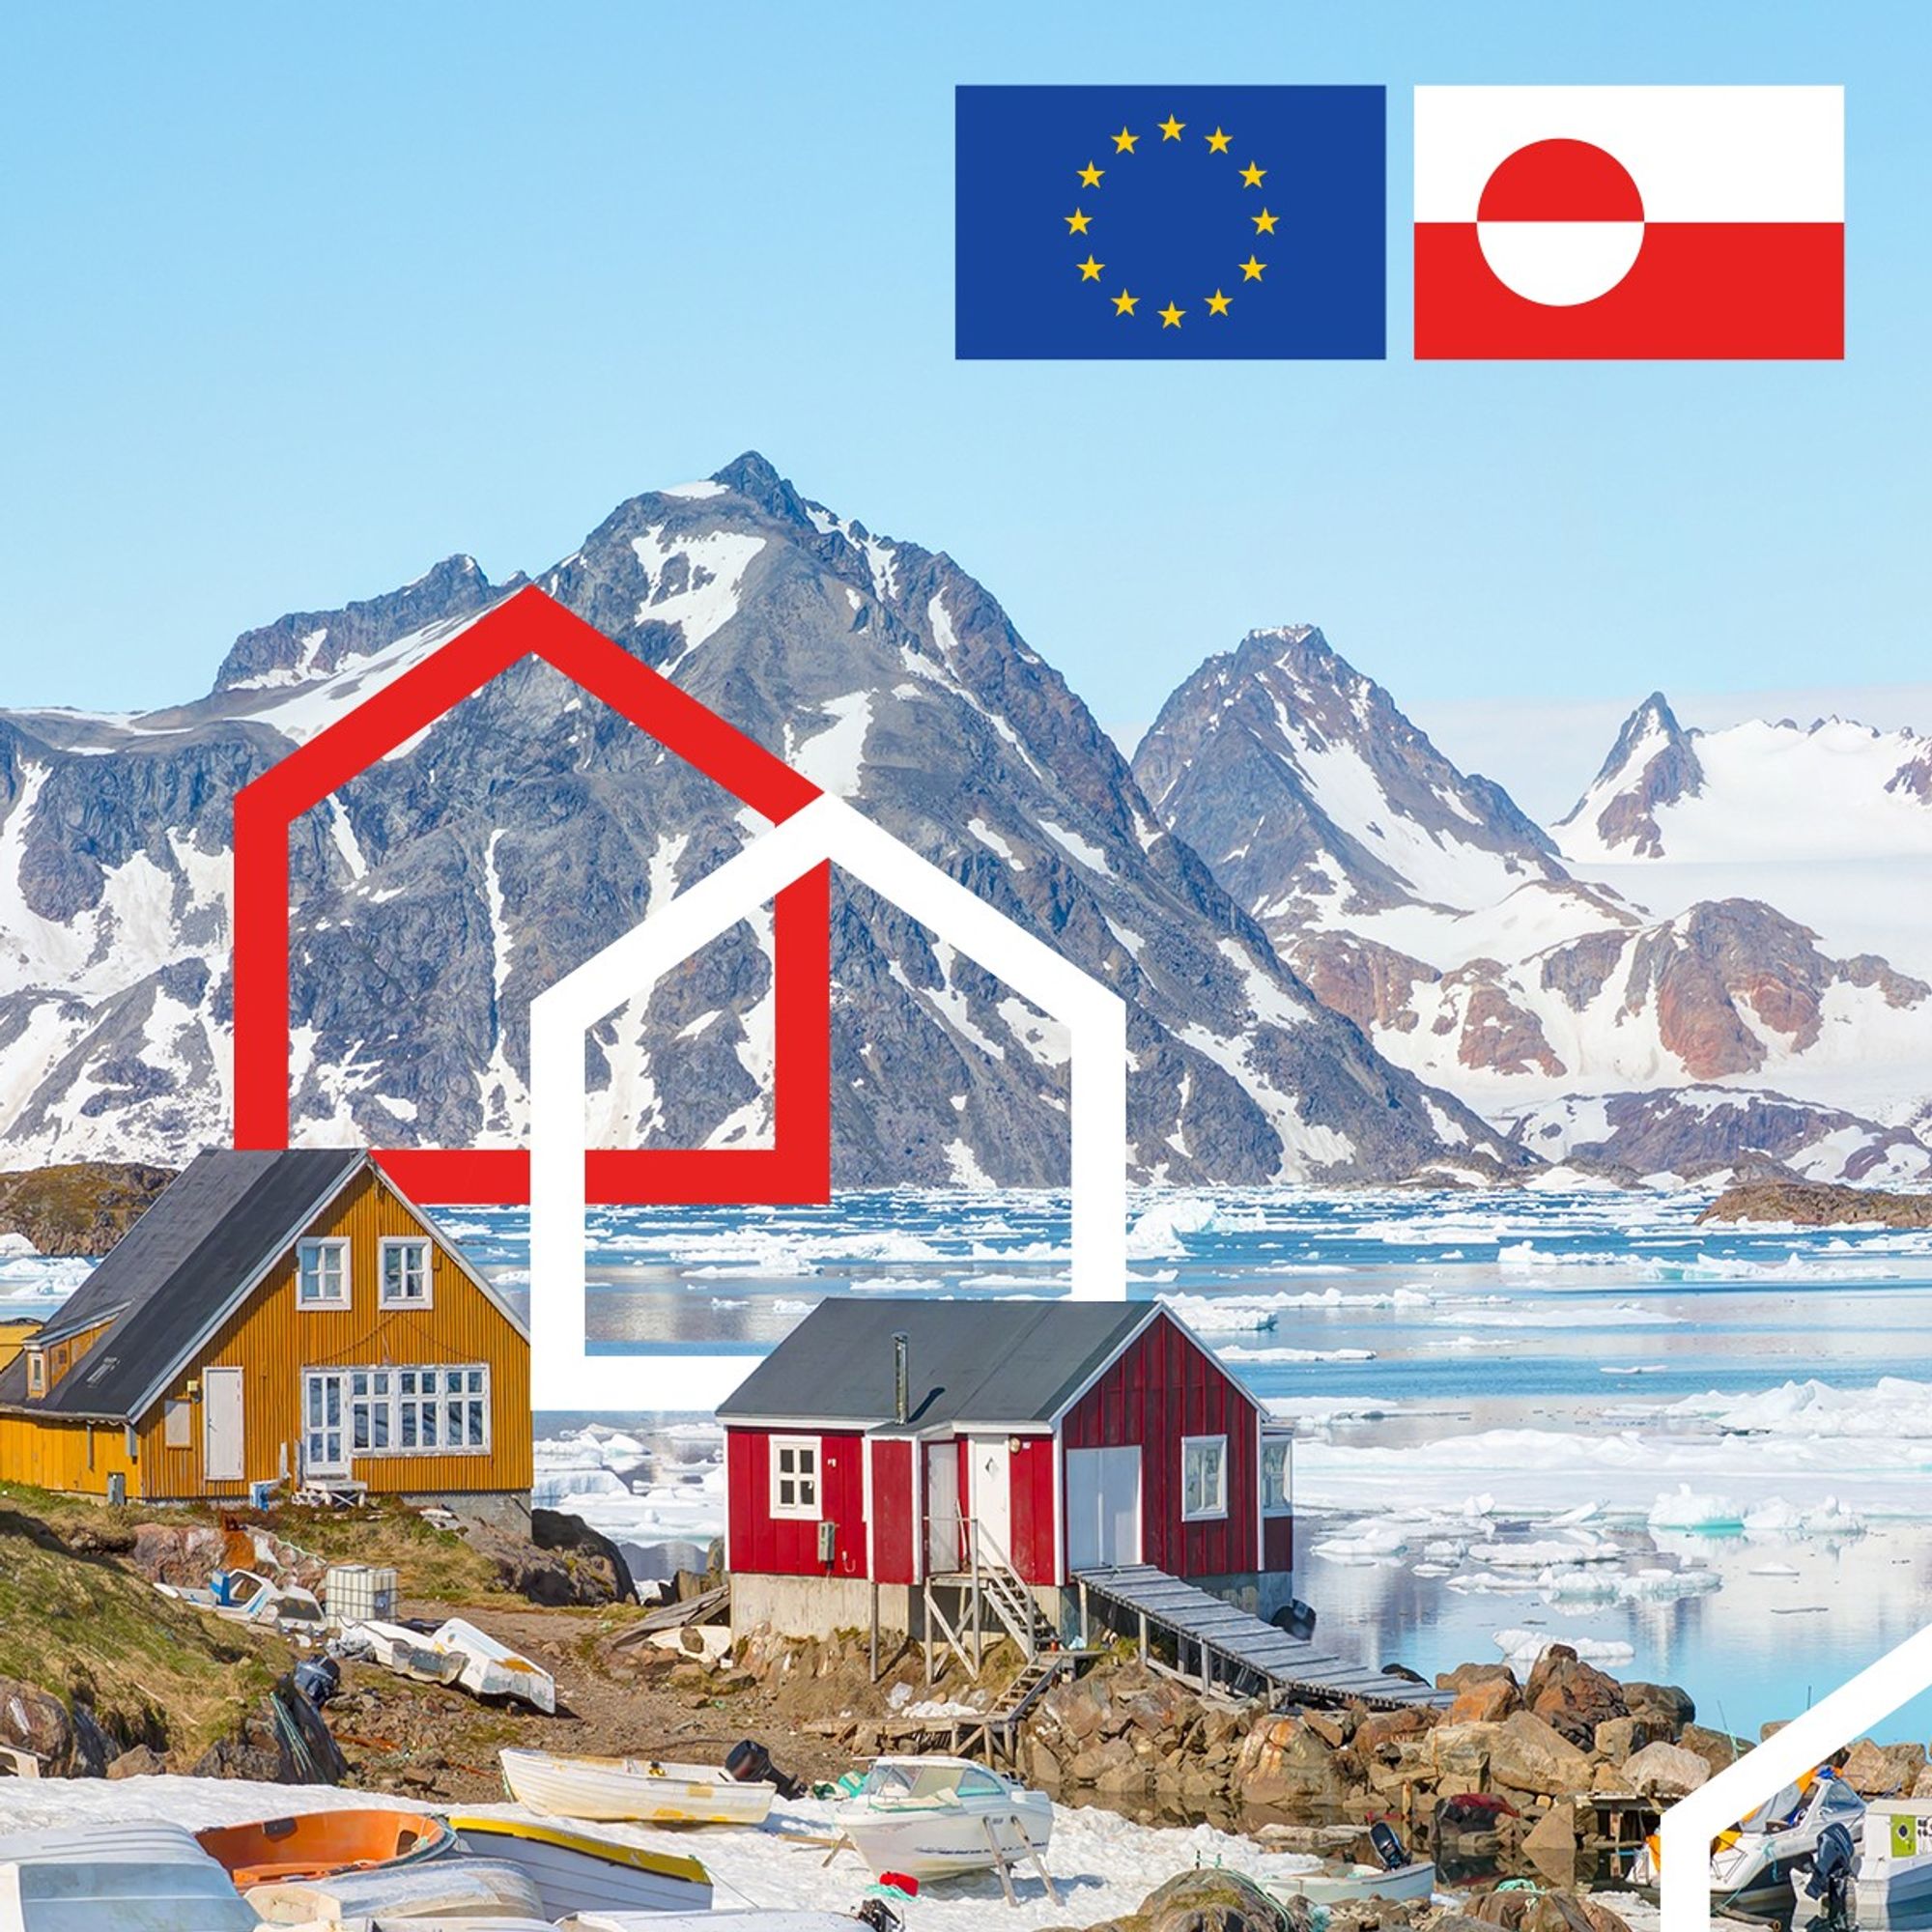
pixel 1780 1570
pixel 1369 1541
pixel 1444 1552
pixel 1543 1552
pixel 1779 1518
pixel 1429 1570
pixel 1687 1510
pixel 1521 1648
pixel 1488 1583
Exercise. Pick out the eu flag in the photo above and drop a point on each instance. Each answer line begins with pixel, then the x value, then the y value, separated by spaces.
pixel 1169 223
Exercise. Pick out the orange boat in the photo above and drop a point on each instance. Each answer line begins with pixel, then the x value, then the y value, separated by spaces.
pixel 314 1844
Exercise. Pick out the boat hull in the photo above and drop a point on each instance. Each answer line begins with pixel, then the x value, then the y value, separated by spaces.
pixel 625 1791
pixel 946 1842
pixel 574 1871
pixel 1411 1881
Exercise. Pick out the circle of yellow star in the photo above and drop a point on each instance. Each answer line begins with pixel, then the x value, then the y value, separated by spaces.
pixel 1251 270
pixel 1170 128
pixel 1090 270
pixel 1124 304
pixel 1218 304
pixel 1251 175
pixel 1217 142
pixel 1090 174
pixel 1123 142
pixel 1170 315
pixel 1264 222
pixel 1076 222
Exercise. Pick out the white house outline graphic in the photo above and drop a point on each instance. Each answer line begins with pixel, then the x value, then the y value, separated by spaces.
pixel 563 1373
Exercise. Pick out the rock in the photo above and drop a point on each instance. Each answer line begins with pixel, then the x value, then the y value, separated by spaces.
pixel 1664 1706
pixel 1717 1749
pixel 1618 1737
pixel 1285 1763
pixel 1486 1701
pixel 183 1554
pixel 1668 1770
pixel 1212 1901
pixel 1883 1770
pixel 33 1720
pixel 1572 1696
pixel 1527 1754
pixel 562 1562
pixel 1382 1730
pixel 1542 1912
pixel 1467 1675
pixel 1923 1785
pixel 141 1761
pixel 81 1208
pixel 283 1740
pixel 1814 1204
pixel 1332 1727
pixel 1551 1846
pixel 1459 1755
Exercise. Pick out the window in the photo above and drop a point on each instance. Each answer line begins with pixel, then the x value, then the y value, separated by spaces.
pixel 1278 1499
pixel 178 1426
pixel 413 1412
pixel 795 1476
pixel 322 1274
pixel 405 1273
pixel 1204 1477
pixel 37 1372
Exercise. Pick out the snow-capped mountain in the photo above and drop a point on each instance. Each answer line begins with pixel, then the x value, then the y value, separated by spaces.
pixel 1421 903
pixel 1315 801
pixel 1803 792
pixel 439 891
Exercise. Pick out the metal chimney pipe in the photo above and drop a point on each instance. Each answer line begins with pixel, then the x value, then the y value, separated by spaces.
pixel 901 1379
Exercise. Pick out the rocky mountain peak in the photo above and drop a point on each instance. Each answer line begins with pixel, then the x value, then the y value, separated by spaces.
pixel 1653 764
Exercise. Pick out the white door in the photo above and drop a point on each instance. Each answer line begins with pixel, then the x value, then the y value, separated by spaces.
pixel 992 1498
pixel 223 1449
pixel 325 1423
pixel 941 1508
pixel 1104 1507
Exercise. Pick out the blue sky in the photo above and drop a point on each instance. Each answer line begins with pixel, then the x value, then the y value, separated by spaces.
pixel 296 305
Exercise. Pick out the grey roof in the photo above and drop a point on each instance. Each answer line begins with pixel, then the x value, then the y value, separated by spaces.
pixel 170 1279
pixel 997 1362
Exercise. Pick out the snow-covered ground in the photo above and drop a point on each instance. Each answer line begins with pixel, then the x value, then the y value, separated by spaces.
pixel 1103 1865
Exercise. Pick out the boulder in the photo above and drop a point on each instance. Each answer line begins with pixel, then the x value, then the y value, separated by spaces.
pixel 1379 1731
pixel 1617 1738
pixel 1664 1707
pixel 1544 1912
pixel 1666 1771
pixel 1551 1845
pixel 1883 1770
pixel 1718 1749
pixel 183 1554
pixel 1459 1755
pixel 31 1719
pixel 1486 1701
pixel 1285 1763
pixel 1572 1696
pixel 1467 1675
pixel 141 1761
pixel 1212 1901
pixel 1528 1754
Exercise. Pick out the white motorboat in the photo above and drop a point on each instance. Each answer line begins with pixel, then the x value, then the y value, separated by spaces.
pixel 134 1877
pixel 640 1791
pixel 1895 1869
pixel 932 1817
pixel 1752 1864
pixel 577 1871
pixel 1340 1884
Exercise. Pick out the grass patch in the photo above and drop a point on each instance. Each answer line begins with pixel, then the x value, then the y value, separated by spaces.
pixel 441 1565
pixel 79 1624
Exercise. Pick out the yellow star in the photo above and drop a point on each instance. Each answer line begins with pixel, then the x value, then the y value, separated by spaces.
pixel 1217 142
pixel 1123 142
pixel 1076 222
pixel 1170 315
pixel 1170 128
pixel 1090 270
pixel 1090 176
pixel 1251 175
pixel 1124 304
pixel 1218 304
pixel 1251 270
pixel 1264 222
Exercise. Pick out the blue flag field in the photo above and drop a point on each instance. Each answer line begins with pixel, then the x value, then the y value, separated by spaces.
pixel 1226 223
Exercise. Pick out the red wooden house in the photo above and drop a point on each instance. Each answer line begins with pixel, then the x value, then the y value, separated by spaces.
pixel 906 1443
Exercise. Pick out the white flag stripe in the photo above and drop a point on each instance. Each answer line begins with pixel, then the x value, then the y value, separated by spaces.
pixel 1697 154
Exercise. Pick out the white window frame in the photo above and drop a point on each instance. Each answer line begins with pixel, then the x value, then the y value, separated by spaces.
pixel 321 1248
pixel 796 1511
pixel 381 1398
pixel 390 1244
pixel 1218 1511
pixel 37 1371
pixel 1274 1512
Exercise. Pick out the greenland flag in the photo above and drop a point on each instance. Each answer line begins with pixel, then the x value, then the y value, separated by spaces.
pixel 1643 222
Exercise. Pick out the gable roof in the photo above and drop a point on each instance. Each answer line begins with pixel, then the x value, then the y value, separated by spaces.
pixel 999 1363
pixel 177 1273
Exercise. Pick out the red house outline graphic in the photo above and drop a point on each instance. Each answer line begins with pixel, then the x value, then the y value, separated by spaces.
pixel 797 1167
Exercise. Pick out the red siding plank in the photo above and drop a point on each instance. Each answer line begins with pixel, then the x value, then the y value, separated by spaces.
pixel 764 1545
pixel 892 1526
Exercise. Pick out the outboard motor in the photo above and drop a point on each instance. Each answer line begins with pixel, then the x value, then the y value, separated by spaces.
pixel 1834 1866
pixel 1390 1849
pixel 748 1762
pixel 879 1915
pixel 1297 1618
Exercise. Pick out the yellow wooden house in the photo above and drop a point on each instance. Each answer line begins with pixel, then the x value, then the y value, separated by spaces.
pixel 276 1318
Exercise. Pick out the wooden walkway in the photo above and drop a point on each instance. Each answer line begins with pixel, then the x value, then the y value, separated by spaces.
pixel 1229 1643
